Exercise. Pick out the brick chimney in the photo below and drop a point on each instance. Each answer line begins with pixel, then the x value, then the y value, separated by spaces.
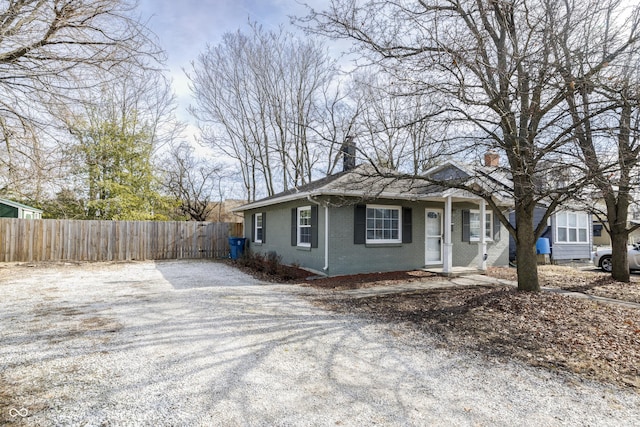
pixel 348 150
pixel 491 159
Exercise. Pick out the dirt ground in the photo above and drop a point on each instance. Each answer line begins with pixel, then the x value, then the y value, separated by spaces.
pixel 558 332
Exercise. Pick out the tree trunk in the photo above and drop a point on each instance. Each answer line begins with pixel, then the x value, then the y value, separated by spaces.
pixel 526 252
pixel 617 215
pixel 619 260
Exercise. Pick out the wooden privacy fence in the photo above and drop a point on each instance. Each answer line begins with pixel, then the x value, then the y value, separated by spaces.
pixel 24 240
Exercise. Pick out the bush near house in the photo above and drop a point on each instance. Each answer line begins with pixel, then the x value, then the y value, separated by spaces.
pixel 269 267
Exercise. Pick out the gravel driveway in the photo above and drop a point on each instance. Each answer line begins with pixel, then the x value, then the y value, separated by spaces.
pixel 198 343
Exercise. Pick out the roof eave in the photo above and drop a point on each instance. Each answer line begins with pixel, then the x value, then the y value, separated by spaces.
pixel 336 193
pixel 19 205
pixel 261 203
pixel 305 195
pixel 453 192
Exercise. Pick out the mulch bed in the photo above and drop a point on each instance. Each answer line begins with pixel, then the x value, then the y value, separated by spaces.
pixel 368 280
pixel 291 274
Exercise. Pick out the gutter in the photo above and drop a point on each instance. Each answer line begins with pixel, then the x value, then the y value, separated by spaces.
pixel 326 231
pixel 358 194
pixel 267 202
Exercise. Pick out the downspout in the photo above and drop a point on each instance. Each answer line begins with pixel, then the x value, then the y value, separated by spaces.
pixel 326 231
pixel 482 245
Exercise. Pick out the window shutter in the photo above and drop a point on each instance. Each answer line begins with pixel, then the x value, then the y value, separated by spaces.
pixel 466 227
pixel 406 225
pixel 314 226
pixel 253 227
pixel 496 227
pixel 294 227
pixel 360 224
pixel 264 227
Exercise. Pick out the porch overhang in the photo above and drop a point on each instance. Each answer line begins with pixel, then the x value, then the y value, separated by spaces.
pixel 453 194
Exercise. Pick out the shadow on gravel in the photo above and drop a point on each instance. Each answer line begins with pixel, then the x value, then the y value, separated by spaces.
pixel 203 274
pixel 225 353
pixel 201 357
pixel 235 351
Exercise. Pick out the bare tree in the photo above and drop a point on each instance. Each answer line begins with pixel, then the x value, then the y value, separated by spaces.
pixel 424 133
pixel 394 128
pixel 380 123
pixel 50 53
pixel 605 112
pixel 195 183
pixel 494 63
pixel 338 114
pixel 257 97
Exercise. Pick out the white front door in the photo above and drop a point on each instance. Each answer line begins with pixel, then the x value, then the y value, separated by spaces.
pixel 433 237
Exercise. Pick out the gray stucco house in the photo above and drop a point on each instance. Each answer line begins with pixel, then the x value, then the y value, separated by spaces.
pixel 356 221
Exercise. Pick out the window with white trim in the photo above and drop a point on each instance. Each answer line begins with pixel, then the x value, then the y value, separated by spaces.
pixel 572 227
pixel 258 228
pixel 383 224
pixel 474 225
pixel 304 226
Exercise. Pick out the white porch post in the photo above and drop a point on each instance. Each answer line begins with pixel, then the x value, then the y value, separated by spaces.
pixel 482 246
pixel 447 258
pixel 326 238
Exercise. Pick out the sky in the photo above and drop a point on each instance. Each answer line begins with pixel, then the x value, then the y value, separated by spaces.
pixel 186 27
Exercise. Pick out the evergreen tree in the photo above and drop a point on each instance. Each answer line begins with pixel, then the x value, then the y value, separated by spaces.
pixel 115 165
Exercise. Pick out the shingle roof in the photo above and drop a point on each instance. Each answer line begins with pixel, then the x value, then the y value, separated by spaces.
pixel 364 182
pixel 309 187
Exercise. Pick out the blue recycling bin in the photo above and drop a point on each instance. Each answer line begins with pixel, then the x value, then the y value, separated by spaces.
pixel 237 246
pixel 542 246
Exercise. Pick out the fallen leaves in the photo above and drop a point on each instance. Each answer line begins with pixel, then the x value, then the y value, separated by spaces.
pixel 591 282
pixel 550 330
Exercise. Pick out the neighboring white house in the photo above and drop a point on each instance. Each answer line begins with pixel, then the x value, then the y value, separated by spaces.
pixel 11 209
pixel 569 232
